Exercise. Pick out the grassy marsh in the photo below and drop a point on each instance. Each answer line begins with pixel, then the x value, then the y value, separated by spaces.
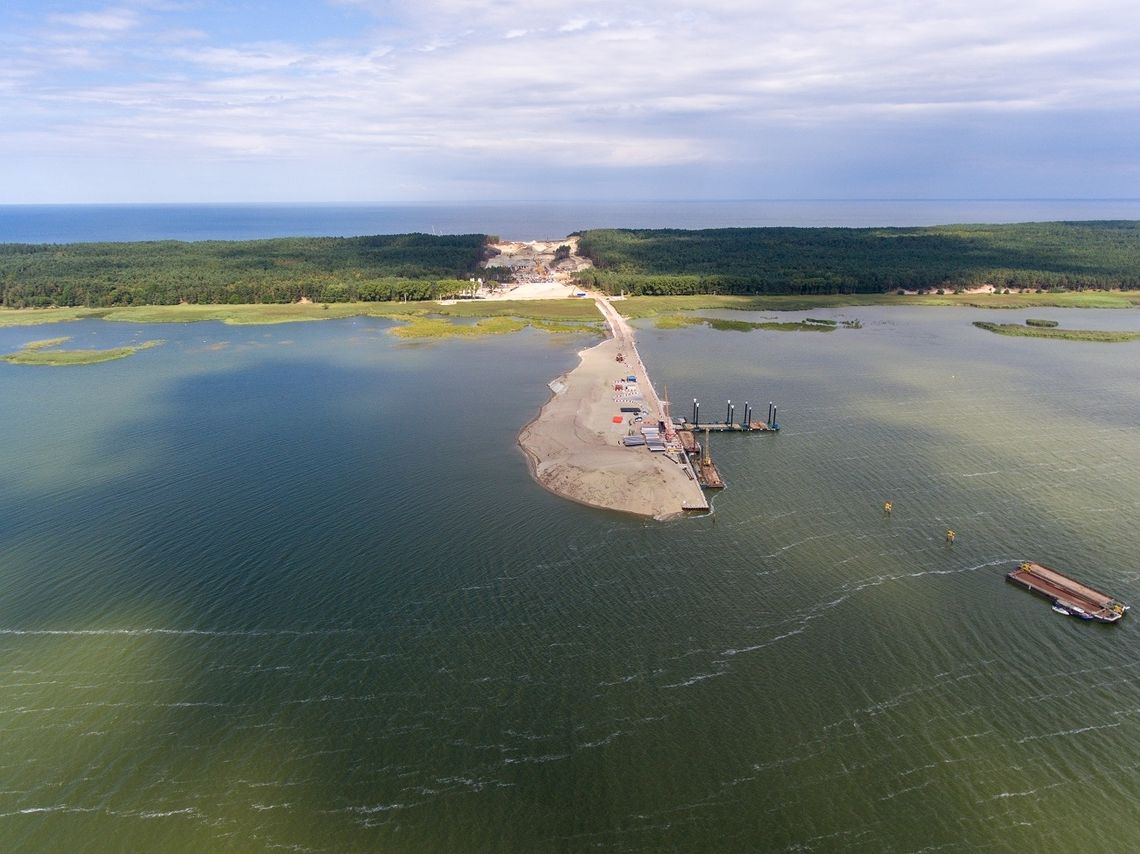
pixel 677 321
pixel 569 311
pixel 47 352
pixel 441 327
pixel 438 327
pixel 1047 332
pixel 553 311
pixel 637 307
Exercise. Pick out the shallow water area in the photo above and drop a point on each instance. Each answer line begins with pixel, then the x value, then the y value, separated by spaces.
pixel 293 586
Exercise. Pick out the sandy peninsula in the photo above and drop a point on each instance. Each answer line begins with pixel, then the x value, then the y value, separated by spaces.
pixel 576 449
pixel 574 446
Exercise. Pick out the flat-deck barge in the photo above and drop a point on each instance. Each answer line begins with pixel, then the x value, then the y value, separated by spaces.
pixel 1067 594
pixel 707 474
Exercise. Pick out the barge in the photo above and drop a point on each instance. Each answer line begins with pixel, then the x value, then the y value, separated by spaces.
pixel 707 474
pixel 1068 595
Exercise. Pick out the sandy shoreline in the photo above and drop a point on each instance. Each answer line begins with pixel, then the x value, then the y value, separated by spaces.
pixel 575 448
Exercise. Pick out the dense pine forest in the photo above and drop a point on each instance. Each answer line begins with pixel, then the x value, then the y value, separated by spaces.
pixel 332 269
pixel 1060 255
pixel 1066 255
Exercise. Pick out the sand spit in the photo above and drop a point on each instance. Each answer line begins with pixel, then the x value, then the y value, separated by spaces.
pixel 576 449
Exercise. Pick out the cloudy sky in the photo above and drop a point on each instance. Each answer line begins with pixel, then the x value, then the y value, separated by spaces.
pixel 387 100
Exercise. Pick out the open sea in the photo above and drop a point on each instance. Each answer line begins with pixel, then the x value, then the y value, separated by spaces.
pixel 292 588
pixel 514 220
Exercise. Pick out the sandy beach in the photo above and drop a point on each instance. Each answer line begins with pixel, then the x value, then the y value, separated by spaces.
pixel 576 449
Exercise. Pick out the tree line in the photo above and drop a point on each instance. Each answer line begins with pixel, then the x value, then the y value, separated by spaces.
pixel 324 269
pixel 1067 255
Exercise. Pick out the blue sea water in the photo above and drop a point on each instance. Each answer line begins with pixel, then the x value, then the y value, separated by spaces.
pixel 513 220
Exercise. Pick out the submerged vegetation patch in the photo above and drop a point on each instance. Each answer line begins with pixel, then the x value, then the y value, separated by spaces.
pixel 438 327
pixel 558 327
pixel 1047 332
pixel 795 326
pixel 678 321
pixel 47 352
pixel 732 325
pixel 1044 324
pixel 441 327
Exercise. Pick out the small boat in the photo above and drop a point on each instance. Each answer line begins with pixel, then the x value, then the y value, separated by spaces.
pixel 1071 610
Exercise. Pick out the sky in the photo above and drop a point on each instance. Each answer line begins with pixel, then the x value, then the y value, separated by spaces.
pixel 434 100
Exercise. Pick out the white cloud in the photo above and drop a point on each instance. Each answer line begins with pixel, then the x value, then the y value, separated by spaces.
pixel 245 59
pixel 564 84
pixel 110 20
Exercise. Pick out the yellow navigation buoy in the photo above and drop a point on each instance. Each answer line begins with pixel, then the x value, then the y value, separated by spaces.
pixel 887 507
pixel 950 535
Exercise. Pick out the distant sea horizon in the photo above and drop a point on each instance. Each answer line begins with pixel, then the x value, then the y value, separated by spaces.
pixel 517 220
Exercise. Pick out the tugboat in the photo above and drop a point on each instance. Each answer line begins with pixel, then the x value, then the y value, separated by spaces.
pixel 1071 610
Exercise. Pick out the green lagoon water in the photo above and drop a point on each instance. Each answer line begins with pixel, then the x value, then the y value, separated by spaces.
pixel 293 588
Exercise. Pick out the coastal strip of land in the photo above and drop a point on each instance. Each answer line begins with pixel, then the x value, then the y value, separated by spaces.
pixel 1033 261
pixel 575 448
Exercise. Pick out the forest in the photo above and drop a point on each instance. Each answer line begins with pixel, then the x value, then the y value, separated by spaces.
pixel 325 269
pixel 1057 255
pixel 733 261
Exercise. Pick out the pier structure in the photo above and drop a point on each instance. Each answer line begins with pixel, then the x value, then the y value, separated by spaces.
pixel 722 427
pixel 683 432
pixel 658 409
pixel 747 424
pixel 653 426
